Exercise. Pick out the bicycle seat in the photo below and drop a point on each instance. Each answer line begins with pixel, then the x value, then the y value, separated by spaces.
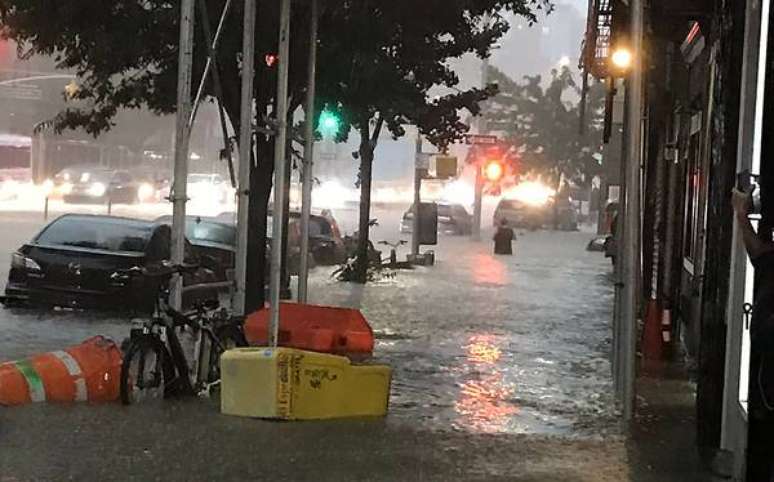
pixel 206 305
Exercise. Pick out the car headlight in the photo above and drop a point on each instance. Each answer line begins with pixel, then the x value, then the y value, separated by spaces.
pixel 19 261
pixel 145 192
pixel 66 188
pixel 97 189
pixel 48 187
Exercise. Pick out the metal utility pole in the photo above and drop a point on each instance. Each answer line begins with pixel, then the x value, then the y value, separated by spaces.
pixel 631 254
pixel 417 197
pixel 280 166
pixel 306 180
pixel 245 157
pixel 182 134
pixel 479 186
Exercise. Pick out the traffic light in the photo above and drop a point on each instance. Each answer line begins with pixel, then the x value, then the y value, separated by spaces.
pixel 329 124
pixel 494 170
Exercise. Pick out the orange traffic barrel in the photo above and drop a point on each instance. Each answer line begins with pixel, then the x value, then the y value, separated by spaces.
pixel 325 329
pixel 652 336
pixel 86 372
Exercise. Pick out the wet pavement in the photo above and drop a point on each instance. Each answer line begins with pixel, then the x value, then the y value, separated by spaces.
pixel 501 373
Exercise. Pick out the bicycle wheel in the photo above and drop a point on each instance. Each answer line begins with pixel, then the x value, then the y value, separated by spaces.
pixel 144 372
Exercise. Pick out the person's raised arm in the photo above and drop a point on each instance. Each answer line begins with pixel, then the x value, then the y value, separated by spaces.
pixel 752 242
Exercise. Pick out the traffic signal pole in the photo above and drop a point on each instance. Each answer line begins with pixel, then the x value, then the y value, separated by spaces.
pixel 479 183
pixel 280 166
pixel 182 135
pixel 306 186
pixel 417 197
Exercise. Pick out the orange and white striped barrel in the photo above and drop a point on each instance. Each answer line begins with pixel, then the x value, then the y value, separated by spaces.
pixel 86 372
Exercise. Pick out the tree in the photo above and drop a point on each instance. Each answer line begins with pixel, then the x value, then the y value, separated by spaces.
pixel 544 125
pixel 378 59
pixel 124 53
pixel 381 59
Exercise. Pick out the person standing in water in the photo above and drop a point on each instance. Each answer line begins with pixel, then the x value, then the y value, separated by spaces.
pixel 503 239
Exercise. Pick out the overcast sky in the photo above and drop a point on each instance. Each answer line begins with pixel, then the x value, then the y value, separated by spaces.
pixel 534 50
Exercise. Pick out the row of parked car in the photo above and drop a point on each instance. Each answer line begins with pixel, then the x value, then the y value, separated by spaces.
pixel 454 218
pixel 77 260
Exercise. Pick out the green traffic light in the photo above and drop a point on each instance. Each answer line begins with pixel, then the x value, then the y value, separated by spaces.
pixel 329 124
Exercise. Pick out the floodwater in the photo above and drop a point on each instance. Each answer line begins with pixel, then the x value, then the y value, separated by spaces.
pixel 478 343
pixel 495 344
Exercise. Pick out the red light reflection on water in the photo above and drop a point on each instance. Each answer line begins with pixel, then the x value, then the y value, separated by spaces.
pixel 484 402
pixel 488 270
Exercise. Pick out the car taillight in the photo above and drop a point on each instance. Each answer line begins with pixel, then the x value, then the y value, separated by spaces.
pixel 20 261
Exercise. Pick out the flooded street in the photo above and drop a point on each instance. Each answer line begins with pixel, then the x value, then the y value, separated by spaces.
pixel 495 344
pixel 479 343
pixel 498 363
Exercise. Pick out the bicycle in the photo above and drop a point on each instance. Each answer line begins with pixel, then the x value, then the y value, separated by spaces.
pixel 393 260
pixel 155 364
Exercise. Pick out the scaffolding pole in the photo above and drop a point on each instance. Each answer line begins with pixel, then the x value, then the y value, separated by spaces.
pixel 631 254
pixel 245 157
pixel 280 167
pixel 306 180
pixel 179 196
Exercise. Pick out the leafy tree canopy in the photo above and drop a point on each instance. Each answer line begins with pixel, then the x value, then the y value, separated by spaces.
pixel 542 120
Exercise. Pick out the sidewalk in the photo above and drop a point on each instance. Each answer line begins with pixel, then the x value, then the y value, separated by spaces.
pixel 663 438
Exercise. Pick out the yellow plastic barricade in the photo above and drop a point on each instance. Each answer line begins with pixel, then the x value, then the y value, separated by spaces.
pixel 291 384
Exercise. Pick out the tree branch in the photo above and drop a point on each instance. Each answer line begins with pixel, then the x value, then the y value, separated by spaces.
pixel 377 131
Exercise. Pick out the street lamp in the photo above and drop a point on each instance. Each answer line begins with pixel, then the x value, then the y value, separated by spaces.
pixel 622 59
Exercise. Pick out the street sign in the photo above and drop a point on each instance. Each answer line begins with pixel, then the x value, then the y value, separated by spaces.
pixel 480 139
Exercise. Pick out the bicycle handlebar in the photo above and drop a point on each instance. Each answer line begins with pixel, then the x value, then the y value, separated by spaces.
pixel 162 270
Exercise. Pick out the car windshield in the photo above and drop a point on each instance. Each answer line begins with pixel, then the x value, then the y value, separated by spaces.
pixel 104 233
pixel 210 232
pixel 444 210
pixel 319 227
pixel 93 176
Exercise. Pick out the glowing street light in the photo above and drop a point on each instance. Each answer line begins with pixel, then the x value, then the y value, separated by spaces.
pixel 622 58
pixel 494 171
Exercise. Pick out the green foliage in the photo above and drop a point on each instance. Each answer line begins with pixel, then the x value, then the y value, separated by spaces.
pixel 543 122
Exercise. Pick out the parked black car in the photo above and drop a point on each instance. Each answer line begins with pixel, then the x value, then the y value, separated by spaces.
pixel 100 186
pixel 77 261
pixel 452 219
pixel 212 239
pixel 325 242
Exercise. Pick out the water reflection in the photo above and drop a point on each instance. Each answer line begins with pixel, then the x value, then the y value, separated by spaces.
pixel 488 270
pixel 484 400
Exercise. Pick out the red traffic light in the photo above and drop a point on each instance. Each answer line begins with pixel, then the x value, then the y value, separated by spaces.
pixel 270 60
pixel 493 170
